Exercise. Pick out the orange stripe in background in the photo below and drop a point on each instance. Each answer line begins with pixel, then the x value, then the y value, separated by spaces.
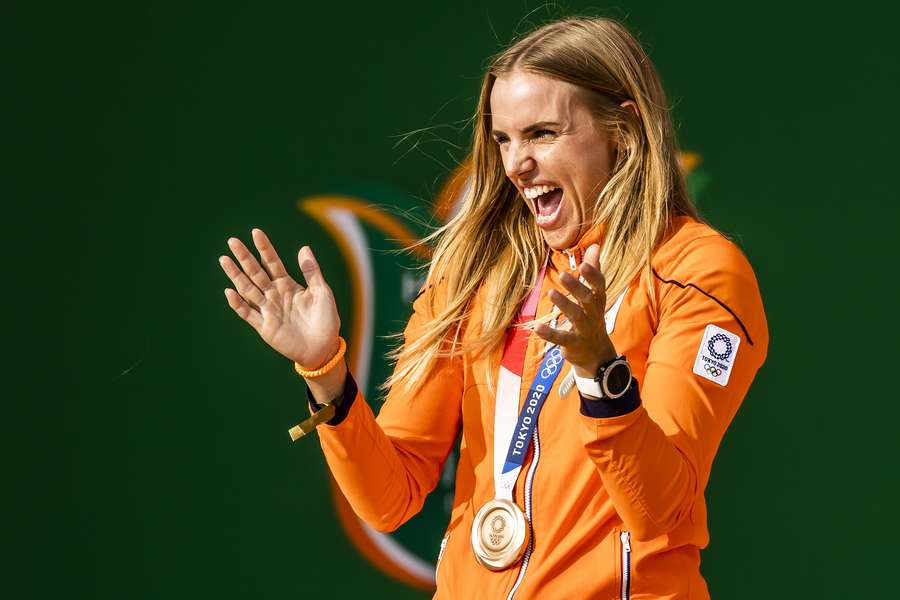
pixel 318 207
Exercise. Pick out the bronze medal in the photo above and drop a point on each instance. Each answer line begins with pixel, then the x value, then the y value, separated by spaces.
pixel 500 534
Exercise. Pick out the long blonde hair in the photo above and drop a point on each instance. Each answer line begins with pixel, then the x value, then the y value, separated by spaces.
pixel 493 244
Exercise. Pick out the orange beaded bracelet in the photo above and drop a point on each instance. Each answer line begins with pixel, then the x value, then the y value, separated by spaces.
pixel 313 373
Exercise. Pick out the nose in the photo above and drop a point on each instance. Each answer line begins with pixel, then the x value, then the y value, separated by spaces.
pixel 518 161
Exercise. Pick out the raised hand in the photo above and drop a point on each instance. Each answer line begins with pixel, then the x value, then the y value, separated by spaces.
pixel 300 323
pixel 586 345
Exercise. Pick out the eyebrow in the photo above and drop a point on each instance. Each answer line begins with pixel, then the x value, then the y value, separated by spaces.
pixel 531 128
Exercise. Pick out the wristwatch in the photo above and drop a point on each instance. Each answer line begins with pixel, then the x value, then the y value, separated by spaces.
pixel 612 380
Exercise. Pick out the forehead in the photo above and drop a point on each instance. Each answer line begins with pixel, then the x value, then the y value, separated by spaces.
pixel 521 98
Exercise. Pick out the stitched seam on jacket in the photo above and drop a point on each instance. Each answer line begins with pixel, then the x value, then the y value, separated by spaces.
pixel 708 295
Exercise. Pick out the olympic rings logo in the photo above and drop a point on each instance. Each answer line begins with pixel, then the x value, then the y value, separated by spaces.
pixel 720 338
pixel 714 371
pixel 554 359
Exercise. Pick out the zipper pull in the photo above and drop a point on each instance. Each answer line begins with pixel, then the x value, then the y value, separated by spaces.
pixel 567 383
pixel 626 541
pixel 572 264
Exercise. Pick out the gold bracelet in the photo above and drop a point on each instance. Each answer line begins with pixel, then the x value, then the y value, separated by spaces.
pixel 313 373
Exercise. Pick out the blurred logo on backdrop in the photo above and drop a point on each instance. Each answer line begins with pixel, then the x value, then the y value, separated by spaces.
pixel 370 227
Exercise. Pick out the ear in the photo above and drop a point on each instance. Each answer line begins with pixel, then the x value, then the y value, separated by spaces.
pixel 630 105
pixel 618 144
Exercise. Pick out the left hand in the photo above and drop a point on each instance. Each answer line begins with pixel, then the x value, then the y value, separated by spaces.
pixel 586 345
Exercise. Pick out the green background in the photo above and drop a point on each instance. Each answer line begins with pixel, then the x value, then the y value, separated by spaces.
pixel 144 425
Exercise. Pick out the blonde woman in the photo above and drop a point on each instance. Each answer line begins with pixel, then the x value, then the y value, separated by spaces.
pixel 590 336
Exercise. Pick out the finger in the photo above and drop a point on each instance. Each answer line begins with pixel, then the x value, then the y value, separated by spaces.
pixel 555 336
pixel 572 310
pixel 595 279
pixel 249 264
pixel 310 267
pixel 581 292
pixel 243 309
pixel 267 253
pixel 244 286
pixel 592 256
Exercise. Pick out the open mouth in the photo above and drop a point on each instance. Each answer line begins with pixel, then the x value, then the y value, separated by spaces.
pixel 547 200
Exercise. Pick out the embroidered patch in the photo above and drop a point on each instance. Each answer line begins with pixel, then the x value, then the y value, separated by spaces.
pixel 715 358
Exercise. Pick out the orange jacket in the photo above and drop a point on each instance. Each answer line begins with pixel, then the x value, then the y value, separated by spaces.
pixel 617 505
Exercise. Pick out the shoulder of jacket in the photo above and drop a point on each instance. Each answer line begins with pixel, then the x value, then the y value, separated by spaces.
pixel 694 249
pixel 432 298
pixel 698 267
pixel 429 296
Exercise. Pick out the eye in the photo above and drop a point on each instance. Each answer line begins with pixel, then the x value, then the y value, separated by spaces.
pixel 501 140
pixel 543 134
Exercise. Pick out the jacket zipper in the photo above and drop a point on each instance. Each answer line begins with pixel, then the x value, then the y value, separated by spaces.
pixel 625 537
pixel 572 262
pixel 529 480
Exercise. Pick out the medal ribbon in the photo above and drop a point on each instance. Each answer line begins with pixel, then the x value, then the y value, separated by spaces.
pixel 512 435
pixel 550 369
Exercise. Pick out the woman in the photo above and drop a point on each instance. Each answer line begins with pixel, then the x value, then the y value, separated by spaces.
pixel 592 338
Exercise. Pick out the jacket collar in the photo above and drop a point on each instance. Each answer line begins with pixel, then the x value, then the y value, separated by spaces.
pixel 570 258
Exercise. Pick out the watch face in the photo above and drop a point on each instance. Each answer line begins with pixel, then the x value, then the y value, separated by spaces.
pixel 618 378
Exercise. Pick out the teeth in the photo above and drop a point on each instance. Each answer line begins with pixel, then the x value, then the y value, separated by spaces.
pixel 539 190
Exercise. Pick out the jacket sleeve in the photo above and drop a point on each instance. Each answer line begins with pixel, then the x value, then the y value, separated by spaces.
pixel 387 466
pixel 655 460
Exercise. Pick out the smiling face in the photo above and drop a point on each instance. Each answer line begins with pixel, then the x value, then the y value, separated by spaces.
pixel 552 150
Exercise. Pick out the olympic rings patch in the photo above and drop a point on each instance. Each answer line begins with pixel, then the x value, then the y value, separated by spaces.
pixel 715 346
pixel 714 371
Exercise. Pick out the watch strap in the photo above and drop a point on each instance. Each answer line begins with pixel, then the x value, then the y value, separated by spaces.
pixel 588 386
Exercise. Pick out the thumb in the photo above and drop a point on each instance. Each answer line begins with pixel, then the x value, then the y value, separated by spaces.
pixel 310 267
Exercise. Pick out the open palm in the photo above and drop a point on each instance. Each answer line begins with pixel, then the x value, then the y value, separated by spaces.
pixel 302 323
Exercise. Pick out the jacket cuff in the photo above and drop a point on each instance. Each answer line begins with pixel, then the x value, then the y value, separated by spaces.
pixel 604 408
pixel 342 403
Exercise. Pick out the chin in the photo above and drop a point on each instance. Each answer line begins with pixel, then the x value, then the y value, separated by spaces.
pixel 564 235
pixel 558 240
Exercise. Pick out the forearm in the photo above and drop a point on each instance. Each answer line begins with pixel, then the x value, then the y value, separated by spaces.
pixel 387 466
pixel 384 485
pixel 652 484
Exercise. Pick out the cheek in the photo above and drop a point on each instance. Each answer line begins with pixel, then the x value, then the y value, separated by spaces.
pixel 593 176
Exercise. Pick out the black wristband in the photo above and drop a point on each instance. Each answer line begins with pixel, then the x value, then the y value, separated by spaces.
pixel 604 408
pixel 342 404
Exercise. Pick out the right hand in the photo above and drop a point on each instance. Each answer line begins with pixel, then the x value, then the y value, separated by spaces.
pixel 300 323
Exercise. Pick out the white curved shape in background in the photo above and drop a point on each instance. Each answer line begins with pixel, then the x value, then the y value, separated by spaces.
pixel 348 224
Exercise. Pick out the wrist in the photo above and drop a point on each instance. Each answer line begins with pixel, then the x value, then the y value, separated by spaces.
pixel 589 370
pixel 319 361
pixel 329 386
